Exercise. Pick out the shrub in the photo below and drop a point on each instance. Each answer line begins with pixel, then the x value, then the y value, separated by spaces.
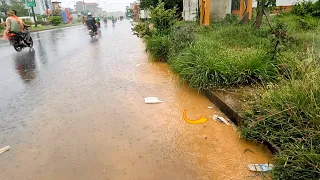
pixel 2 26
pixel 39 18
pixel 45 23
pixel 162 19
pixel 142 29
pixel 209 64
pixel 158 46
pixel 181 37
pixel 28 22
pixel 304 8
pixel 55 20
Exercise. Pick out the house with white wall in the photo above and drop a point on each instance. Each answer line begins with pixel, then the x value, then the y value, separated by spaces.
pixel 219 8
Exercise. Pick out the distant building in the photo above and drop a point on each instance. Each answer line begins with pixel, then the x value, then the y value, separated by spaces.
pixel 92 7
pixel 79 6
pixel 87 7
pixel 56 5
pixel 40 7
pixel 190 9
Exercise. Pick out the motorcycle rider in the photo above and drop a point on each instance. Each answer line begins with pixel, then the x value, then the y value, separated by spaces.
pixel 90 21
pixel 13 24
pixel 98 21
pixel 26 32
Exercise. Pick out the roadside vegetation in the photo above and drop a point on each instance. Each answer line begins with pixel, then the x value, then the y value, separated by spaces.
pixel 280 57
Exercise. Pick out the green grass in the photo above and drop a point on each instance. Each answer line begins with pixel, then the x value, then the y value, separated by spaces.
pixel 287 115
pixel 228 56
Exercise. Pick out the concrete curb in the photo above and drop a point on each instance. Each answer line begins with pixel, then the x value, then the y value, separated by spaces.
pixel 224 107
pixel 233 115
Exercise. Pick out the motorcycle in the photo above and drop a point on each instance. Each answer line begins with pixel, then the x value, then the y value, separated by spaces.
pixel 17 40
pixel 91 32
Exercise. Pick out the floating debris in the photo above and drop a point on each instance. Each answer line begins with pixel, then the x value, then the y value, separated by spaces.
pixel 4 149
pixel 139 64
pixel 260 167
pixel 152 100
pixel 221 119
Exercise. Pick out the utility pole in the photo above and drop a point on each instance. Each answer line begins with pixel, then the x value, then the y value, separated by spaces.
pixel 34 17
pixel 32 3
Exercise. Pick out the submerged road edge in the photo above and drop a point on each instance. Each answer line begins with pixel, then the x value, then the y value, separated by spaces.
pixel 232 114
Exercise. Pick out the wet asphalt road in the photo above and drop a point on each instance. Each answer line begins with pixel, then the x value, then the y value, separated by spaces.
pixel 72 108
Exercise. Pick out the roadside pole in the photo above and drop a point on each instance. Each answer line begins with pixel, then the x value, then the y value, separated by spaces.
pixel 34 17
pixel 32 3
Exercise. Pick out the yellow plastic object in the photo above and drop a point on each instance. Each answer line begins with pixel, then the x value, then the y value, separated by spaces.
pixel 198 121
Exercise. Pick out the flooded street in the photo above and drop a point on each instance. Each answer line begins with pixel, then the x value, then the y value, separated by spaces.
pixel 74 109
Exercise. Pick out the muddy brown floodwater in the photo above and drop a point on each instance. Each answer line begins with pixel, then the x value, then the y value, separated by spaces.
pixel 87 119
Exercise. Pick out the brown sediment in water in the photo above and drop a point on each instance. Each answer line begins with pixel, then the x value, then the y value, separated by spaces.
pixel 214 150
pixel 90 122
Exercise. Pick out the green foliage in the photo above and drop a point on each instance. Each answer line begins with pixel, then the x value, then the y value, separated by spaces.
pixel 298 23
pixel 4 7
pixel 168 4
pixel 162 19
pixel 287 116
pixel 142 29
pixel 55 20
pixel 158 46
pixel 212 62
pixel 307 8
pixel 181 37
pixel 28 22
pixel 303 8
pixel 39 19
pixel 230 19
pixel 19 6
pixel 2 26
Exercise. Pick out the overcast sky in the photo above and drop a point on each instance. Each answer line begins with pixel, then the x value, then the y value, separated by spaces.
pixel 113 5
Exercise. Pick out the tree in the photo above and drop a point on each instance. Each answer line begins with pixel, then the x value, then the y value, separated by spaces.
pixel 19 6
pixel 169 4
pixel 4 7
pixel 262 7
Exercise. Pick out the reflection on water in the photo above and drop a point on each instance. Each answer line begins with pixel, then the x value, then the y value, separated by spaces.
pixel 41 51
pixel 26 65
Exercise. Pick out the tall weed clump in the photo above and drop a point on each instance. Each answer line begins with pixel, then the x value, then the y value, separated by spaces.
pixel 158 42
pixel 287 116
pixel 228 56
pixel 181 37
